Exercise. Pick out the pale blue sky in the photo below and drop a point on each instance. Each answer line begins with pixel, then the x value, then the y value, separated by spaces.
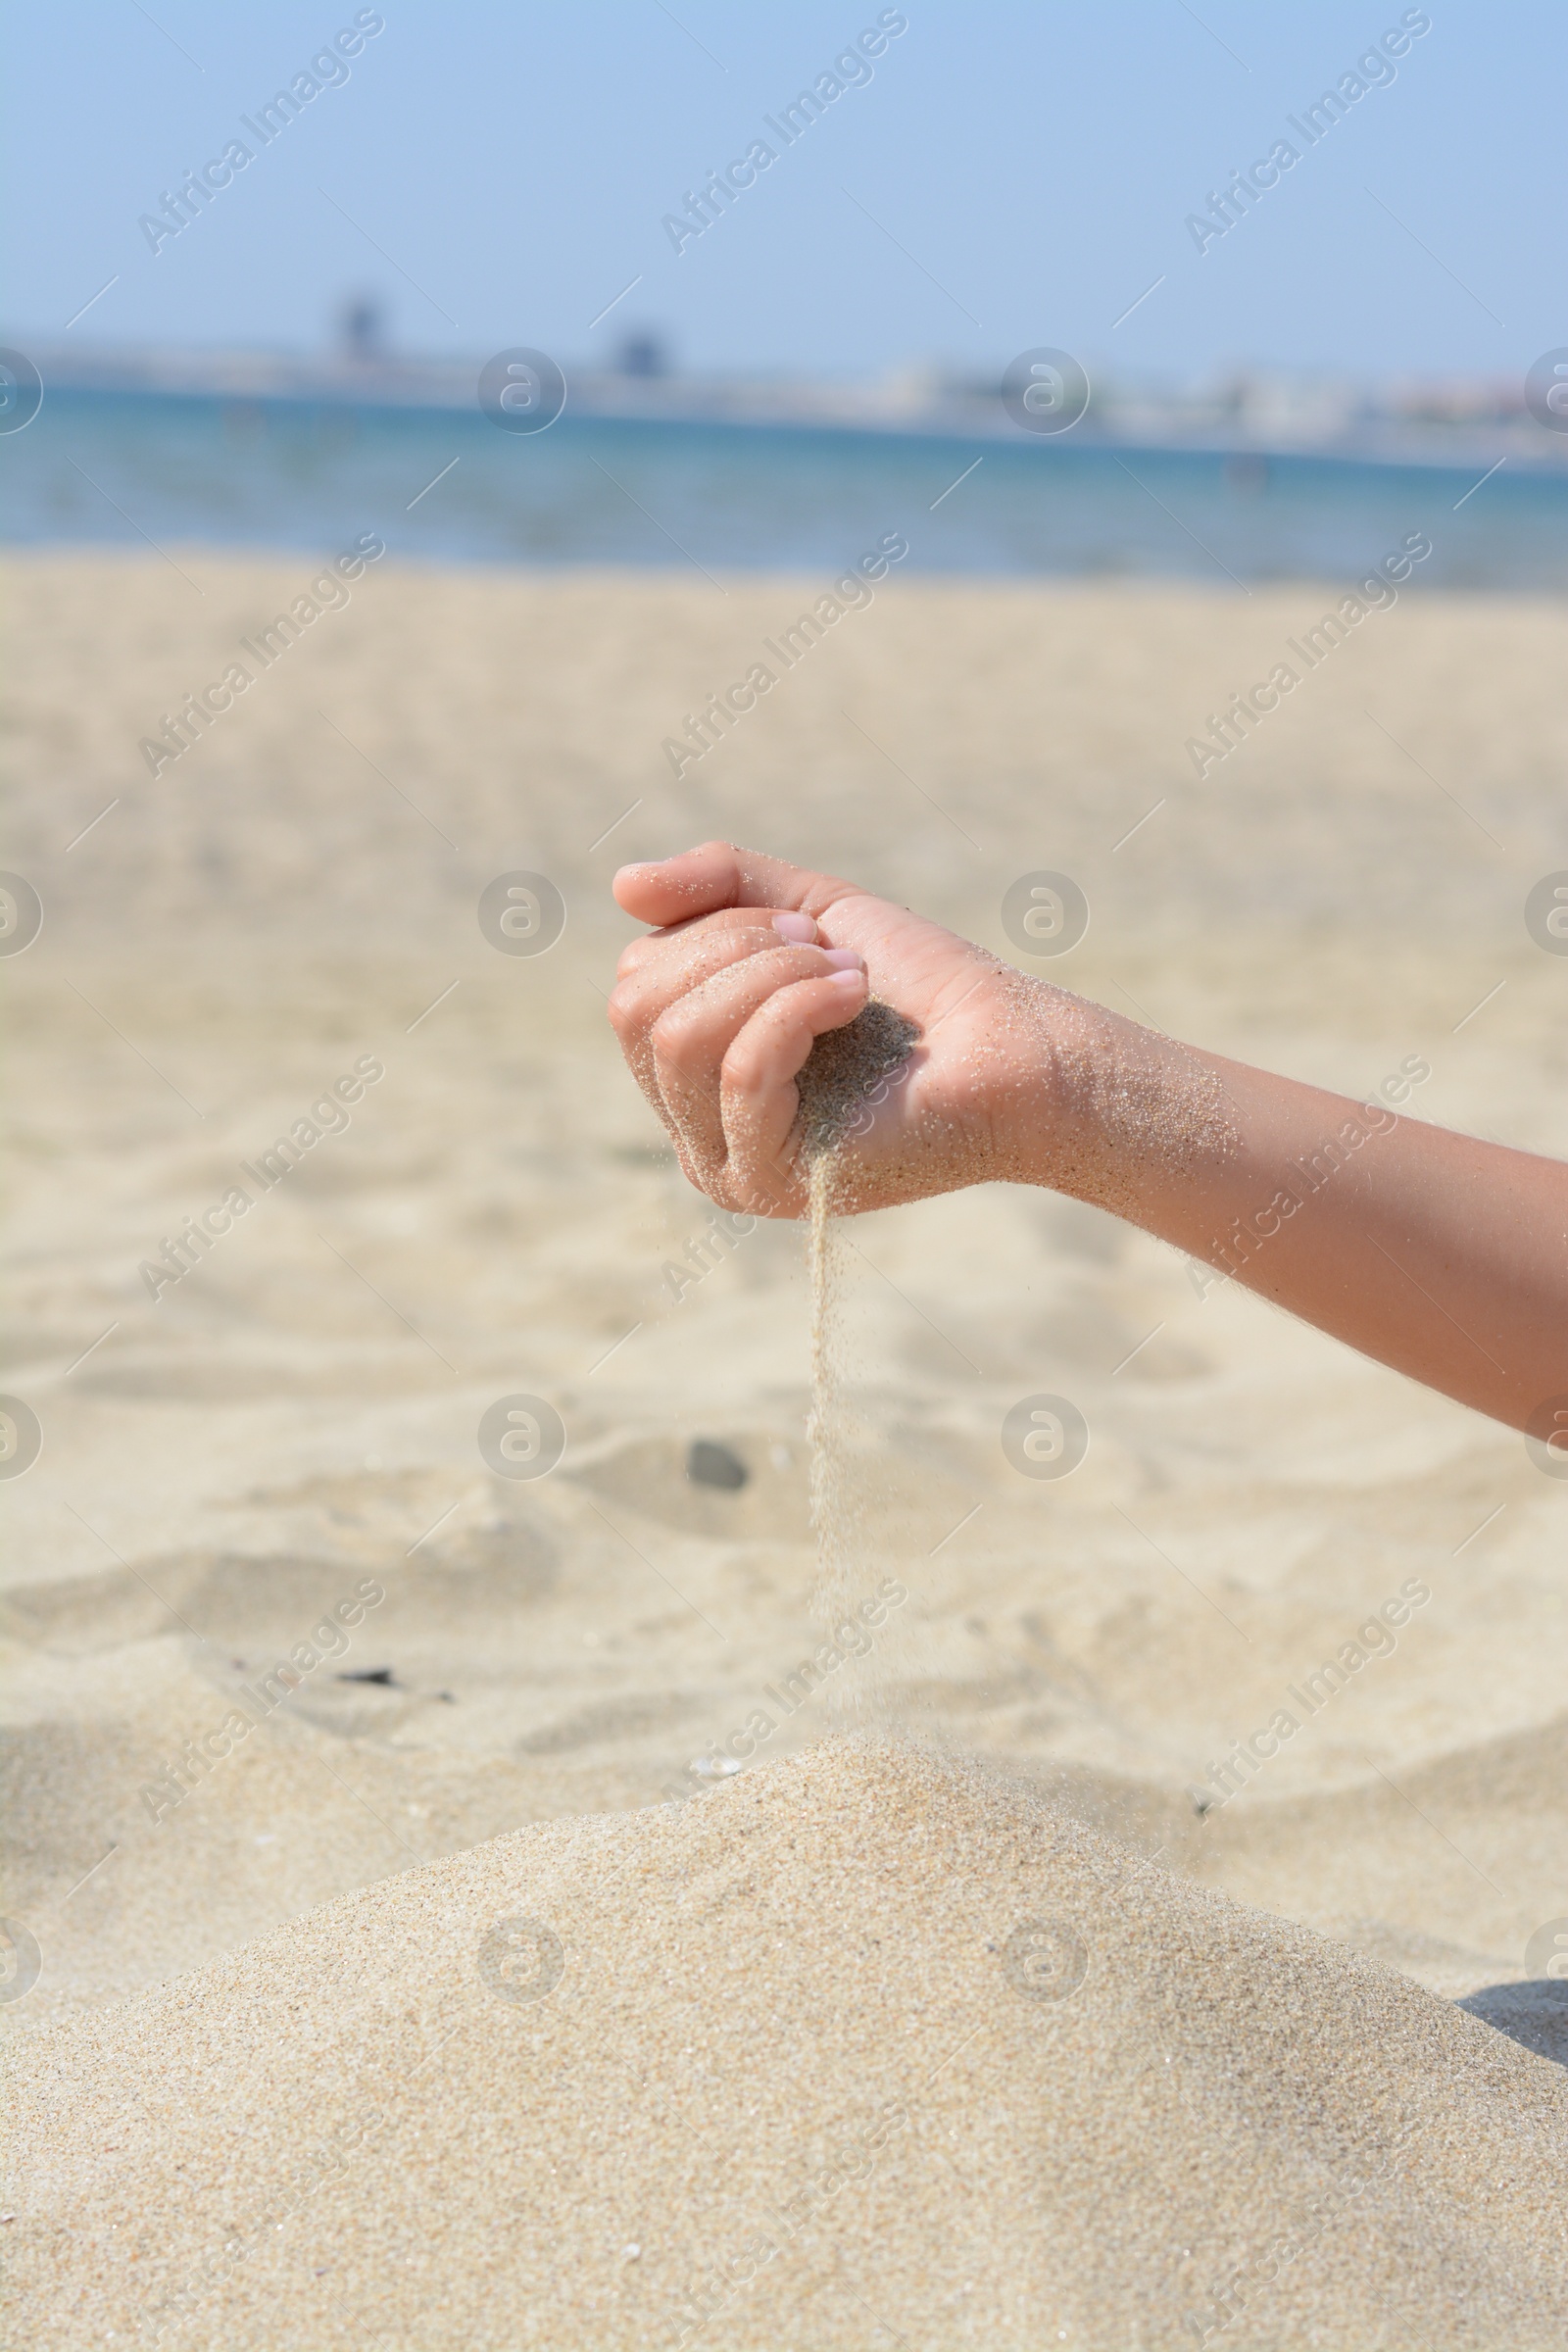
pixel 1012 176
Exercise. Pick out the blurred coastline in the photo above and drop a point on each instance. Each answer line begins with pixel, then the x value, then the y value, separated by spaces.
pixel 1412 420
pixel 1255 479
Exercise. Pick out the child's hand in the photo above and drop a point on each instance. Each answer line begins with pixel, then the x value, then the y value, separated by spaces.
pixel 754 960
pixel 1439 1254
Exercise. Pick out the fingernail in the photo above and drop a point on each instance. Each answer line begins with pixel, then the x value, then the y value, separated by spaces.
pixel 847 980
pixel 845 959
pixel 796 927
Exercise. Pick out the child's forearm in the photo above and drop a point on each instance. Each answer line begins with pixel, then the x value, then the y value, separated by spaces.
pixel 1445 1257
pixel 1441 1255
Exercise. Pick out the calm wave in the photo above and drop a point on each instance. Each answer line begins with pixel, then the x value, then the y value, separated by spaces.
pixel 308 476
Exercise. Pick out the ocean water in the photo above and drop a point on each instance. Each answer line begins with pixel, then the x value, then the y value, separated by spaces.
pixel 133 467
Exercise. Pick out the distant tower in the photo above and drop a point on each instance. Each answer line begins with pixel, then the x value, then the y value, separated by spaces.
pixel 642 353
pixel 362 325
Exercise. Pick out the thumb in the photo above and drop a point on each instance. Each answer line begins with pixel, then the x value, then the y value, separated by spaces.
pixel 702 881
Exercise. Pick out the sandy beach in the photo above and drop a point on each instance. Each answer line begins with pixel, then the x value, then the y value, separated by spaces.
pixel 1324 1984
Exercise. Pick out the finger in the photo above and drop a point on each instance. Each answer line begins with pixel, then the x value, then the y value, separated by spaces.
pixel 670 966
pixel 672 889
pixel 767 929
pixel 759 1099
pixel 656 970
pixel 692 1036
pixel 677 964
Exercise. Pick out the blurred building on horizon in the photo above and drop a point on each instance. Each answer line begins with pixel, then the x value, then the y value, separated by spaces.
pixel 1448 418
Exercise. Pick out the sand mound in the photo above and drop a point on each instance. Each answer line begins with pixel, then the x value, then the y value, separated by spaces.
pixel 858 2049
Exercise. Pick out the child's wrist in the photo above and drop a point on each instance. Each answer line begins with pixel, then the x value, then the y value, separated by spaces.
pixel 1119 1114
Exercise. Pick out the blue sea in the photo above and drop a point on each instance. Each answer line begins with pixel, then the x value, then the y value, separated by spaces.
pixel 443 485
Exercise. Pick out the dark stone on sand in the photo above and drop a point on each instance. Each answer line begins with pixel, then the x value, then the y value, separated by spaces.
pixel 709 1464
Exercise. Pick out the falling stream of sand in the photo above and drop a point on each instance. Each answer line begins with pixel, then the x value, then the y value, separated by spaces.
pixel 839 1088
pixel 825 1430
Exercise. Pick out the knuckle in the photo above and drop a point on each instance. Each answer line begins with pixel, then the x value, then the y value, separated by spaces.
pixel 675 1035
pixel 740 1069
pixel 631 986
pixel 628 1022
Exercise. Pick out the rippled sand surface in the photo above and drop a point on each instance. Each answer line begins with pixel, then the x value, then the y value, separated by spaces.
pixel 287 1438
